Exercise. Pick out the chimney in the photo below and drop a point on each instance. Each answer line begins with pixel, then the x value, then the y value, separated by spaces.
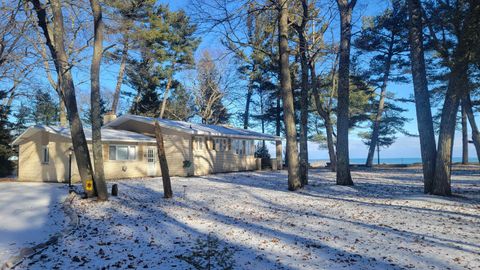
pixel 109 117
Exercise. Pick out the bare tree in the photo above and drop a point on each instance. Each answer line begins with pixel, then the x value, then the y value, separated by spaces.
pixel 54 39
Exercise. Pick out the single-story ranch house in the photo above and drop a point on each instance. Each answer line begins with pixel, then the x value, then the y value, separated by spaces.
pixel 130 151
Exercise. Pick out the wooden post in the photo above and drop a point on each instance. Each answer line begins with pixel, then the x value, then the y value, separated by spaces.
pixel 278 147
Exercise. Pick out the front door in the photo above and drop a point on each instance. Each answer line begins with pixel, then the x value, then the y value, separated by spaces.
pixel 151 168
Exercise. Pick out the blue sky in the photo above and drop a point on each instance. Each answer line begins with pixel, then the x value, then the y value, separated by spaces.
pixel 405 147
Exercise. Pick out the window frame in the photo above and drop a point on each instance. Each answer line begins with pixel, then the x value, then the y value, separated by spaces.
pixel 129 147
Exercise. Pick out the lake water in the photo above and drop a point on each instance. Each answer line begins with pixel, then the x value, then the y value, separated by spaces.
pixel 393 160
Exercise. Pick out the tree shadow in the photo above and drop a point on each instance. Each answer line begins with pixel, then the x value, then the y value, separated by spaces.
pixel 32 214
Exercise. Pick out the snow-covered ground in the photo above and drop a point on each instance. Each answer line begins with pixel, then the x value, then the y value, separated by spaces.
pixel 383 222
pixel 29 214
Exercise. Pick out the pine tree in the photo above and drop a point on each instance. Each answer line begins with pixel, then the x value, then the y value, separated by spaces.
pixel 22 119
pixel 180 104
pixel 6 165
pixel 383 38
pixel 45 109
pixel 392 123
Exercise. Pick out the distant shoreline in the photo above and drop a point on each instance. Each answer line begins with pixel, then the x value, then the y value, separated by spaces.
pixel 393 160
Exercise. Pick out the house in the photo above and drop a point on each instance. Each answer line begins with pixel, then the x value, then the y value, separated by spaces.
pixel 130 150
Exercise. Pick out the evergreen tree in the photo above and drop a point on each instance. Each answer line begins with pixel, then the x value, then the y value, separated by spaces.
pixel 22 119
pixel 167 46
pixel 45 108
pixel 392 123
pixel 180 104
pixel 6 165
pixel 87 112
pixel 143 77
pixel 383 38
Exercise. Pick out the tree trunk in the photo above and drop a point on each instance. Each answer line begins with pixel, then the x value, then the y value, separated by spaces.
pixel 99 175
pixel 343 160
pixel 121 72
pixel 422 97
pixel 326 116
pixel 467 102
pixel 278 123
pixel 57 49
pixel 303 97
pixel 464 135
pixel 165 96
pixel 455 91
pixel 62 113
pixel 162 158
pixel 246 115
pixel 287 95
pixel 381 105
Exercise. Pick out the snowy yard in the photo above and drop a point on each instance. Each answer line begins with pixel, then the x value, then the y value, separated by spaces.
pixel 29 214
pixel 383 222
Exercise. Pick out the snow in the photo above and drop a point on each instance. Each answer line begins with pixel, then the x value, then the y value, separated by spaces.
pixel 108 134
pixel 383 222
pixel 197 128
pixel 29 214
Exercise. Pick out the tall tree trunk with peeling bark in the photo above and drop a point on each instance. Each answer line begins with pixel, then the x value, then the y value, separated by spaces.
pixel 59 55
pixel 464 135
pixel 99 175
pixel 422 97
pixel 343 160
pixel 287 96
pixel 467 103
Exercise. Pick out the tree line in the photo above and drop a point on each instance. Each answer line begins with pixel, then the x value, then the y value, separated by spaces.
pixel 302 69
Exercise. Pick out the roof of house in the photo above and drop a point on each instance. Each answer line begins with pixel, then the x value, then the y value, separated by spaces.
pixel 108 134
pixel 197 129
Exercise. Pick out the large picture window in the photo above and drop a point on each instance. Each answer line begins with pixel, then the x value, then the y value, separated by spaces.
pixel 122 152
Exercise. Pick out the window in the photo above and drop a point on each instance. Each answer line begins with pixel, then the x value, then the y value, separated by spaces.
pixel 45 154
pixel 122 152
pixel 249 148
pixel 216 144
pixel 220 144
pixel 239 147
pixel 198 143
